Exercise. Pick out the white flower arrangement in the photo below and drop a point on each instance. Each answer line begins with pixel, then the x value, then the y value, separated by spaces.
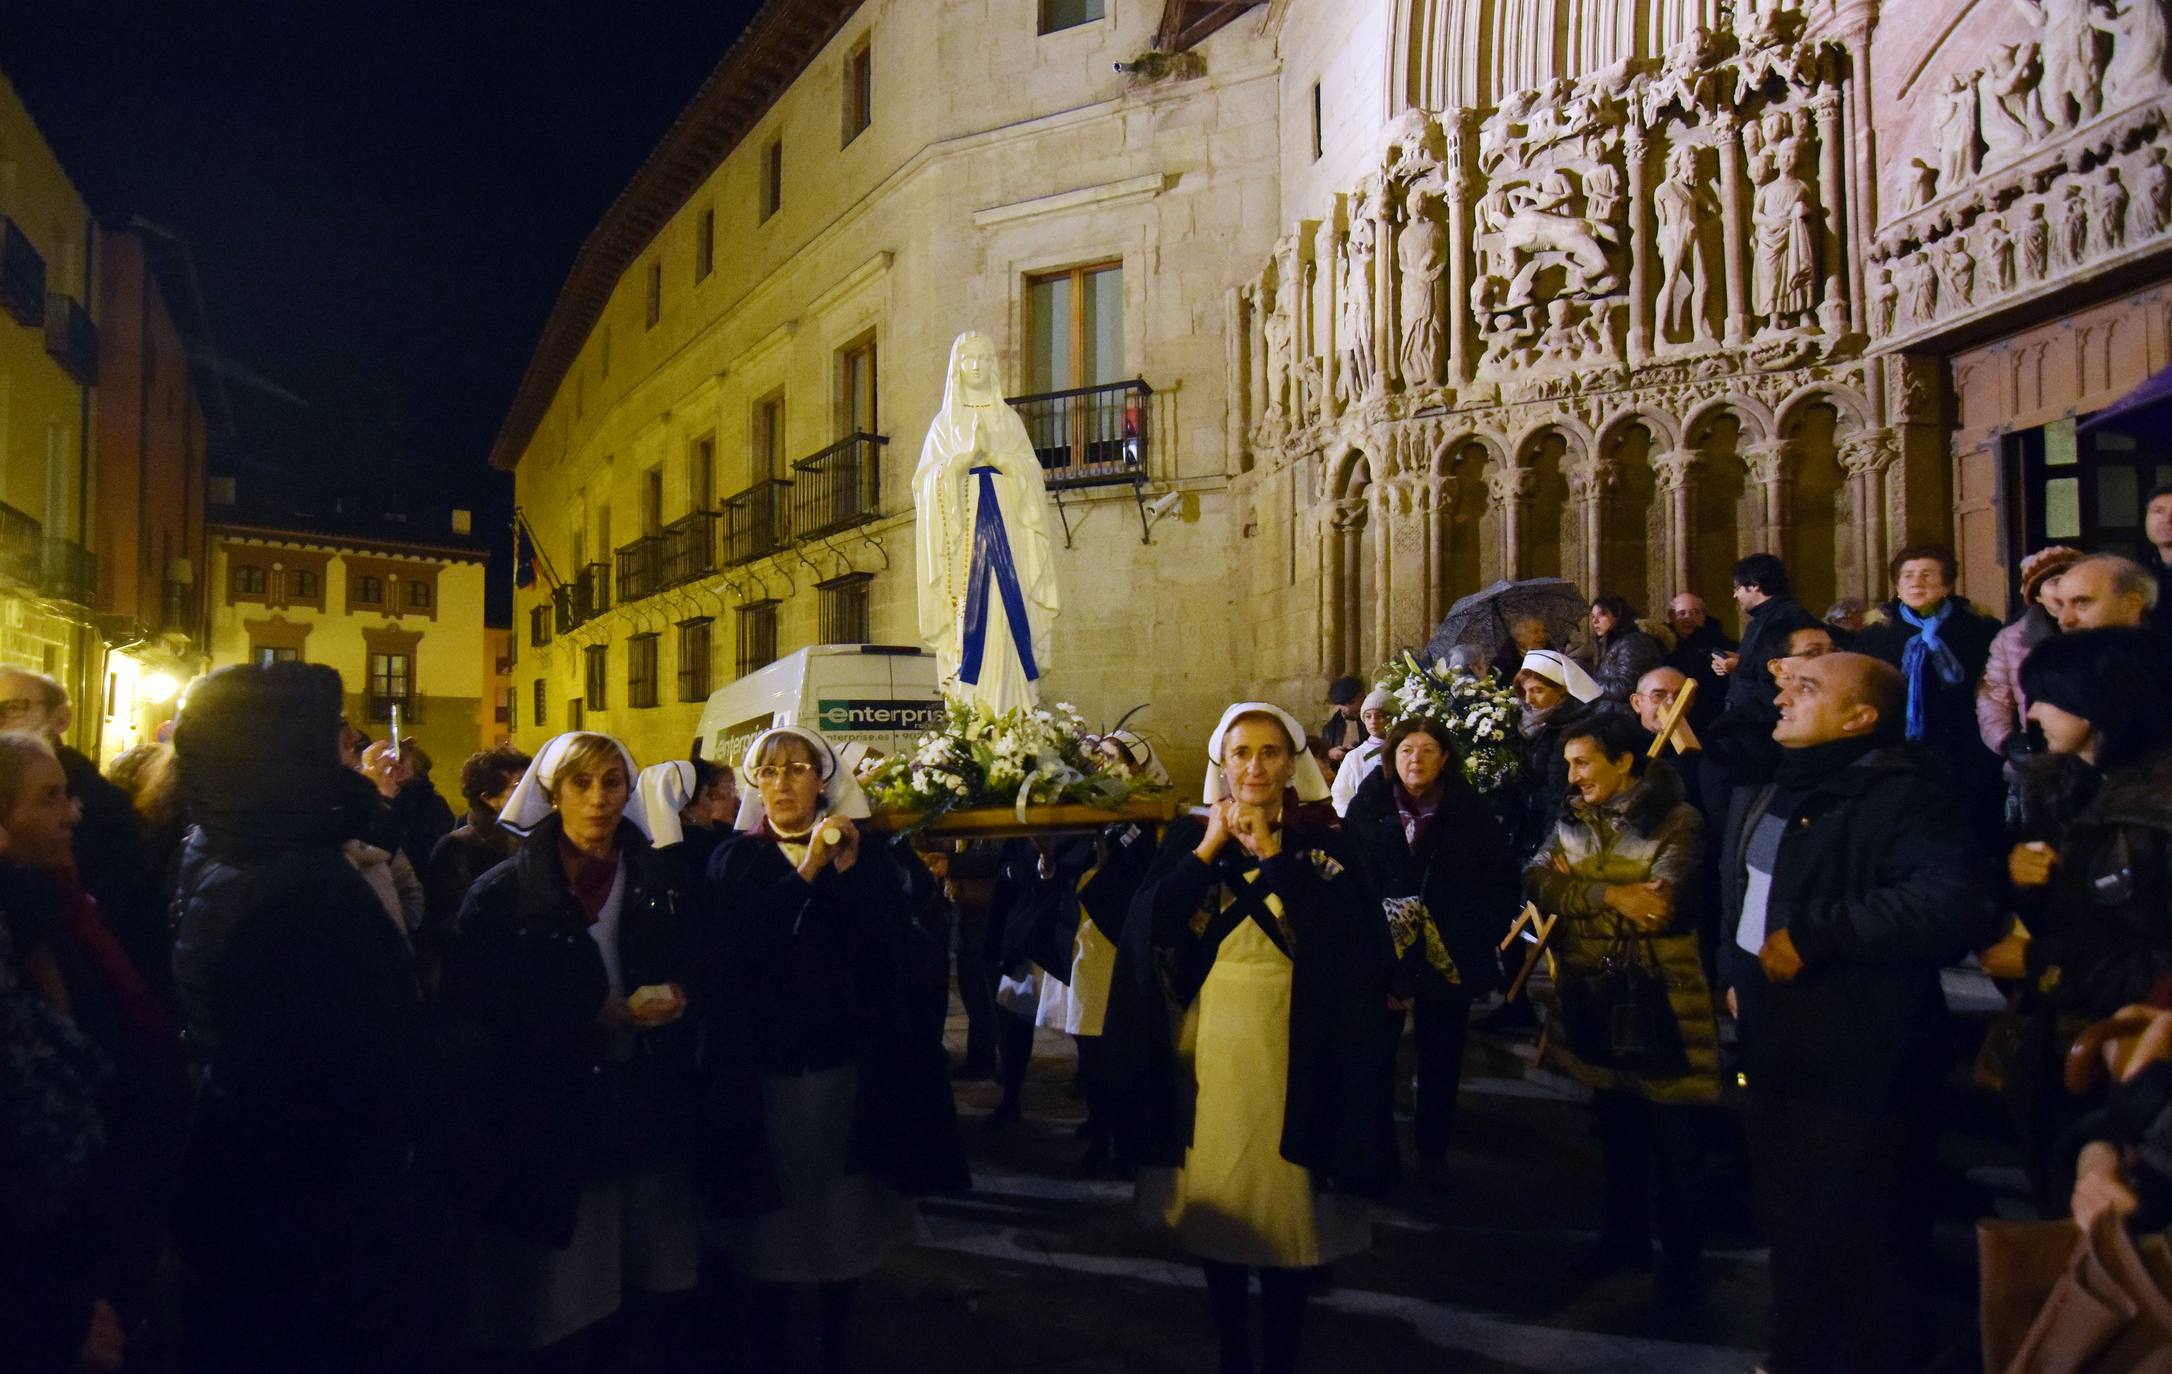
pixel 1477 713
pixel 1042 756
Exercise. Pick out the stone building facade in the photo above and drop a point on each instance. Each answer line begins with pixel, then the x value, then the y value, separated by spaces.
pixel 1427 293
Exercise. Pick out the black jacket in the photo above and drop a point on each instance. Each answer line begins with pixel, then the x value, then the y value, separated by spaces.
pixel 1545 782
pixel 1463 871
pixel 464 855
pixel 803 977
pixel 1764 635
pixel 1950 710
pixel 1338 1112
pixel 2102 928
pixel 423 819
pixel 1692 657
pixel 1879 888
pixel 116 866
pixel 1623 657
pixel 562 1108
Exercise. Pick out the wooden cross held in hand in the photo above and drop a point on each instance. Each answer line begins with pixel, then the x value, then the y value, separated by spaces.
pixel 1542 928
pixel 1673 729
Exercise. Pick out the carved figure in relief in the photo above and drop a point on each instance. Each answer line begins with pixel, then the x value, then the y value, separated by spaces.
pixel 2073 226
pixel 2109 205
pixel 1543 219
pixel 2036 242
pixel 1957 273
pixel 1959 130
pixel 1784 285
pixel 1919 185
pixel 1833 310
pixel 1998 255
pixel 2138 31
pixel 1884 298
pixel 1683 206
pixel 2155 209
pixel 1490 214
pixel 1354 304
pixel 1919 280
pixel 2015 81
pixel 2067 33
pixel 1682 78
pixel 1281 398
pixel 1602 194
pixel 1422 253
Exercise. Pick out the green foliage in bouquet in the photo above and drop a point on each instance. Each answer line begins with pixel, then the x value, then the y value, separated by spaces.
pixel 1039 757
pixel 1480 715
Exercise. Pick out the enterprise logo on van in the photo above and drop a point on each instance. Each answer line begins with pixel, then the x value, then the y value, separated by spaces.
pixel 839 717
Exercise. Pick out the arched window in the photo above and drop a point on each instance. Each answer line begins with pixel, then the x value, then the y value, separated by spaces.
pixel 368 591
pixel 418 595
pixel 302 585
pixel 249 580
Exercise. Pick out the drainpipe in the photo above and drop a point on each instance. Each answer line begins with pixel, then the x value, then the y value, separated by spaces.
pixel 93 729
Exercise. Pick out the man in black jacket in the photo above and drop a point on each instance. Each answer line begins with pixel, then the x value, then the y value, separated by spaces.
pixel 1698 639
pixel 1850 883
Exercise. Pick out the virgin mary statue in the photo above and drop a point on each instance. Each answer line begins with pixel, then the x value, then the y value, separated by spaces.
pixel 987 583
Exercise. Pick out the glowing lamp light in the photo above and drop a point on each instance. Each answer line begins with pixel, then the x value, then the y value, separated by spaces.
pixel 160 687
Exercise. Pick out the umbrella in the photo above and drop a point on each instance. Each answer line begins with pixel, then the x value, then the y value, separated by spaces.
pixel 1483 617
pixel 2148 406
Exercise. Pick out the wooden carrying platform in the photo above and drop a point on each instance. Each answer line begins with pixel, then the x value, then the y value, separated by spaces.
pixel 1003 823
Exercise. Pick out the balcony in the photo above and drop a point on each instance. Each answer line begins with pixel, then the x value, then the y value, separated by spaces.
pixel 539 625
pixel 562 609
pixel 22 275
pixel 591 592
pixel 690 547
pixel 72 339
pixel 757 522
pixel 68 572
pixel 181 611
pixel 1090 436
pixel 22 546
pixel 839 487
pixel 641 568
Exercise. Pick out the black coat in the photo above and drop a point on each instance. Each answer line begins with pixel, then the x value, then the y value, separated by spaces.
pixel 803 977
pixel 1692 657
pixel 464 855
pixel 1764 635
pixel 1338 1115
pixel 116 866
pixel 522 968
pixel 1879 887
pixel 1463 870
pixel 423 819
pixel 1545 784
pixel 1623 657
pixel 1950 712
pixel 2102 928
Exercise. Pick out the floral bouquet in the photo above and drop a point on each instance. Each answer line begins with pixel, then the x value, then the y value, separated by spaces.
pixel 1479 714
pixel 1043 756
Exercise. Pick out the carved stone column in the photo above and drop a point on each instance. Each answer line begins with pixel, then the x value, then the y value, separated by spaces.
pixel 1674 471
pixel 1634 150
pixel 1238 408
pixel 1832 195
pixel 1462 191
pixel 1510 491
pixel 1734 227
pixel 1437 499
pixel 1772 466
pixel 1342 520
pixel 1387 357
pixel 1587 487
pixel 1327 260
pixel 1865 457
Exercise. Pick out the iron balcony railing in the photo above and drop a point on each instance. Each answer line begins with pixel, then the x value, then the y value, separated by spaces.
pixel 690 547
pixel 562 609
pixel 1090 436
pixel 68 572
pixel 839 487
pixel 641 568
pixel 539 625
pixel 757 521
pixel 22 275
pixel 71 338
pixel 22 546
pixel 591 592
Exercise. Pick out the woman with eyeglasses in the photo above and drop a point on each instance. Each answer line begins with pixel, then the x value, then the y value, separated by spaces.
pixel 825 1095
pixel 571 957
pixel 1249 1019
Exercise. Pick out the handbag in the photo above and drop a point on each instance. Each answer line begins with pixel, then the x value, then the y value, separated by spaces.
pixel 1618 1016
pixel 2057 1300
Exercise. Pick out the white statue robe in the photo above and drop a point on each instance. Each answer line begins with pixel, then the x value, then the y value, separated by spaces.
pixel 971 434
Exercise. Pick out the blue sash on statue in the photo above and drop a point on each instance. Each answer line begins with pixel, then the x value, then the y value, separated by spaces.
pixel 992 561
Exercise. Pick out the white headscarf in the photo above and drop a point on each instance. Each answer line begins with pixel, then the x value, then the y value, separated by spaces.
pixel 1376 700
pixel 1562 671
pixel 841 794
pixel 1310 782
pixel 531 801
pixel 1149 765
pixel 665 790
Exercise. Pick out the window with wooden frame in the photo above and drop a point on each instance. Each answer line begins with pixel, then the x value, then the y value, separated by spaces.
pixel 304 585
pixel 653 297
pixel 267 654
pixel 247 580
pixel 859 90
pixel 772 178
pixel 856 388
pixel 392 683
pixel 541 709
pixel 652 500
pixel 694 644
pixel 1075 328
pixel 596 679
pixel 704 244
pixel 1058 15
pixel 419 595
pixel 641 670
pixel 757 636
pixel 766 436
pixel 576 714
pixel 701 473
pixel 366 590
pixel 842 608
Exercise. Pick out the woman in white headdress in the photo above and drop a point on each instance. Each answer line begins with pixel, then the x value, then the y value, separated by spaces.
pixel 1255 1048
pixel 1557 694
pixel 987 578
pixel 570 957
pixel 825 1099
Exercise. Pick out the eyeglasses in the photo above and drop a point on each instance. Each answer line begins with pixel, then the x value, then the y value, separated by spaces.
pixel 777 772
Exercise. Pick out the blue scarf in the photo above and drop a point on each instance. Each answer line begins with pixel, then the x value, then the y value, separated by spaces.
pixel 1926 645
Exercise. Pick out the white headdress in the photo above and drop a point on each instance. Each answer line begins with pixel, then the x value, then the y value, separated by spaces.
pixel 664 791
pixel 1146 759
pixel 531 801
pixel 841 794
pixel 1310 782
pixel 1562 671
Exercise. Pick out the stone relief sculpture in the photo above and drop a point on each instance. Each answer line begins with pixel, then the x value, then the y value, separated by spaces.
pixel 2036 243
pixel 1278 330
pixel 1919 184
pixel 1683 207
pixel 1998 255
pixel 1422 255
pixel 1784 286
pixel 1957 273
pixel 2109 207
pixel 2138 36
pixel 1354 306
pixel 1959 130
pixel 2073 237
pixel 1920 281
pixel 2015 83
pixel 1884 298
pixel 2070 46
pixel 2155 209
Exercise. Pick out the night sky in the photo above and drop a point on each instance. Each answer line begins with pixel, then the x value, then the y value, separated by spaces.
pixel 383 200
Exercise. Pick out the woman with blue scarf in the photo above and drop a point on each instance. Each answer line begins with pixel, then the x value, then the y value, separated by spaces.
pixel 1941 644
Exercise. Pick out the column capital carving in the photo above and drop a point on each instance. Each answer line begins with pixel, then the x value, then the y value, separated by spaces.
pixel 1674 467
pixel 1770 461
pixel 1868 453
pixel 1587 479
pixel 1510 484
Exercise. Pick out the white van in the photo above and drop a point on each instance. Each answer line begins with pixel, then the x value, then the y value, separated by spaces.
pixel 881 695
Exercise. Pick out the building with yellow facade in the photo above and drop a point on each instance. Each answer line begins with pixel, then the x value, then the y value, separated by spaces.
pixel 399 615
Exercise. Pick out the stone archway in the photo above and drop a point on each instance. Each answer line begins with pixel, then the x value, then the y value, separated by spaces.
pixel 1720 498
pixel 1819 531
pixel 1549 532
pixel 1633 557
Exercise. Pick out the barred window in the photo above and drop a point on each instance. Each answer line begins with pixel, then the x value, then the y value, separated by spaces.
pixel 576 717
pixel 597 684
pixel 843 609
pixel 694 660
pixel 542 701
pixel 757 636
pixel 641 670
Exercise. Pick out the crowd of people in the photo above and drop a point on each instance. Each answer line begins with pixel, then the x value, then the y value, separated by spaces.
pixel 300 1070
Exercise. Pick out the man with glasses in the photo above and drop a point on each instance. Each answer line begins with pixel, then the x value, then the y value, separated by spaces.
pixel 111 859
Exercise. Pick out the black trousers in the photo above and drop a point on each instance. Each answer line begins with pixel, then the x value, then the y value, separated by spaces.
pixel 976 990
pixel 1844 1198
pixel 1651 1156
pixel 1441 1021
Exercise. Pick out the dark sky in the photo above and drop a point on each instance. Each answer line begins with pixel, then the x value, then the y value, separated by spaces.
pixel 383 199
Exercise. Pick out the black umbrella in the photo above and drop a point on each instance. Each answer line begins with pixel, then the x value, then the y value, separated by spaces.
pixel 1482 618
